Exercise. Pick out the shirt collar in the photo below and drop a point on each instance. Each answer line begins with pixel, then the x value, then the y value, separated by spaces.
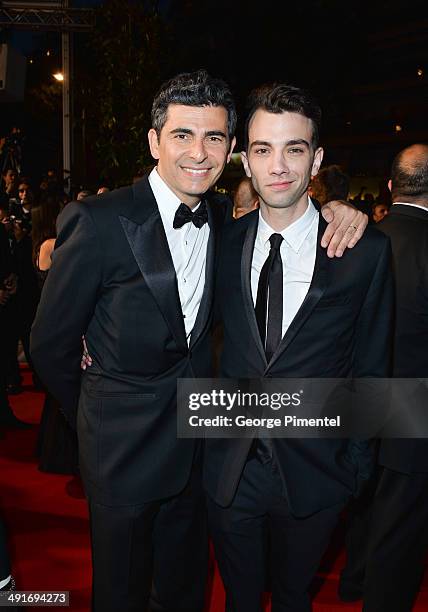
pixel 296 233
pixel 411 204
pixel 165 198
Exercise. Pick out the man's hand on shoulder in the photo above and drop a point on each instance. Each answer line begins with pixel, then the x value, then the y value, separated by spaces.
pixel 345 227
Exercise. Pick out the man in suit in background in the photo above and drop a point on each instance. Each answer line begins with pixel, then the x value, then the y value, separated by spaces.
pixel 289 311
pixel 134 269
pixel 388 541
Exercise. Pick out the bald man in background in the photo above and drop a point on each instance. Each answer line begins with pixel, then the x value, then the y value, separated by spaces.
pixel 387 573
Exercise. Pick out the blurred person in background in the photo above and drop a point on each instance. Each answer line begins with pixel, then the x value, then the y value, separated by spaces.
pixel 24 304
pixel 245 198
pixel 8 285
pixel 387 541
pixel 22 205
pixel 379 211
pixel 331 183
pixel 84 193
pixel 9 184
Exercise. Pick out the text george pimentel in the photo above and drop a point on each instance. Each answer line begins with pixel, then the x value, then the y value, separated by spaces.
pixel 274 401
pixel 265 422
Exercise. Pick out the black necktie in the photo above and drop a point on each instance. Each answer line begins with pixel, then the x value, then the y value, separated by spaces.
pixel 185 215
pixel 269 298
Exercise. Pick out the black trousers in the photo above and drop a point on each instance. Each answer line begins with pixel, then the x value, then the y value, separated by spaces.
pixel 397 541
pixel 153 556
pixel 388 543
pixel 240 533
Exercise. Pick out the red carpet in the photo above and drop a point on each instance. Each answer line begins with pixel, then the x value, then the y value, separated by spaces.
pixel 48 526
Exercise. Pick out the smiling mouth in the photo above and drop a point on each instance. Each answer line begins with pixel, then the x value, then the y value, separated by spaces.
pixel 196 171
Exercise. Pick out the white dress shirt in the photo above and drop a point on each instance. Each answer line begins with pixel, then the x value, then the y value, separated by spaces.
pixel 188 247
pixel 298 252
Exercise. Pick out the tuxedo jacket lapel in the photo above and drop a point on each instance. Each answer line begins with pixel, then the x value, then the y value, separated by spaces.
pixel 316 291
pixel 246 260
pixel 149 245
pixel 207 296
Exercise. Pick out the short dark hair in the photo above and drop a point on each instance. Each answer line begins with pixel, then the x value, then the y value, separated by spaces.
pixel 279 98
pixel 193 89
pixel 409 177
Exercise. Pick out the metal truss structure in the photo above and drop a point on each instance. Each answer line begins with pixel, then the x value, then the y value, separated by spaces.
pixel 45 16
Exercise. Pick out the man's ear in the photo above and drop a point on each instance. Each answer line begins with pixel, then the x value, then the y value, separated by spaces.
pixel 390 185
pixel 245 163
pixel 316 164
pixel 153 143
pixel 232 146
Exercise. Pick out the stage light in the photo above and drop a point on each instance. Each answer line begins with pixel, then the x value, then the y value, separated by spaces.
pixel 58 76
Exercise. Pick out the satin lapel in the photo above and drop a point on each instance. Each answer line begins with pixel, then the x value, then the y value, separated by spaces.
pixel 246 260
pixel 150 248
pixel 207 296
pixel 316 290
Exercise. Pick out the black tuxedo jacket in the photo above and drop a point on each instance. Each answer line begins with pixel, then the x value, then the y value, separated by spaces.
pixel 407 228
pixel 113 280
pixel 342 329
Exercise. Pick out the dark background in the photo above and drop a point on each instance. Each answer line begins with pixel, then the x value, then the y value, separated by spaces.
pixel 367 63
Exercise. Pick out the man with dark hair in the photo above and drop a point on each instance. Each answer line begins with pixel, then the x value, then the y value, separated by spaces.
pixel 388 540
pixel 138 266
pixel 289 311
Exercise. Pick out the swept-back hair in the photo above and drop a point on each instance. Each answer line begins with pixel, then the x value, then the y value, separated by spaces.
pixel 193 89
pixel 279 98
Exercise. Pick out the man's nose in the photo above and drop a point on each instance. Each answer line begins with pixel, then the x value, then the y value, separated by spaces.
pixel 279 164
pixel 198 150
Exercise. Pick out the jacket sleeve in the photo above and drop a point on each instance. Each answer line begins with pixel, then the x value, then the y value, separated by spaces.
pixel 373 356
pixel 67 305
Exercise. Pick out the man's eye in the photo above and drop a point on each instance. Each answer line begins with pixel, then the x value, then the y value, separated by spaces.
pixel 295 150
pixel 261 151
pixel 215 139
pixel 182 136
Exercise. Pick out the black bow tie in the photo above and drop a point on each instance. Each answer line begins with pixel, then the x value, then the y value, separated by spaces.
pixel 185 215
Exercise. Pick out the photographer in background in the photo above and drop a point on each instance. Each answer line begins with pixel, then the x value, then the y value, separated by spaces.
pixel 8 288
pixel 9 185
pixel 21 206
pixel 23 305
